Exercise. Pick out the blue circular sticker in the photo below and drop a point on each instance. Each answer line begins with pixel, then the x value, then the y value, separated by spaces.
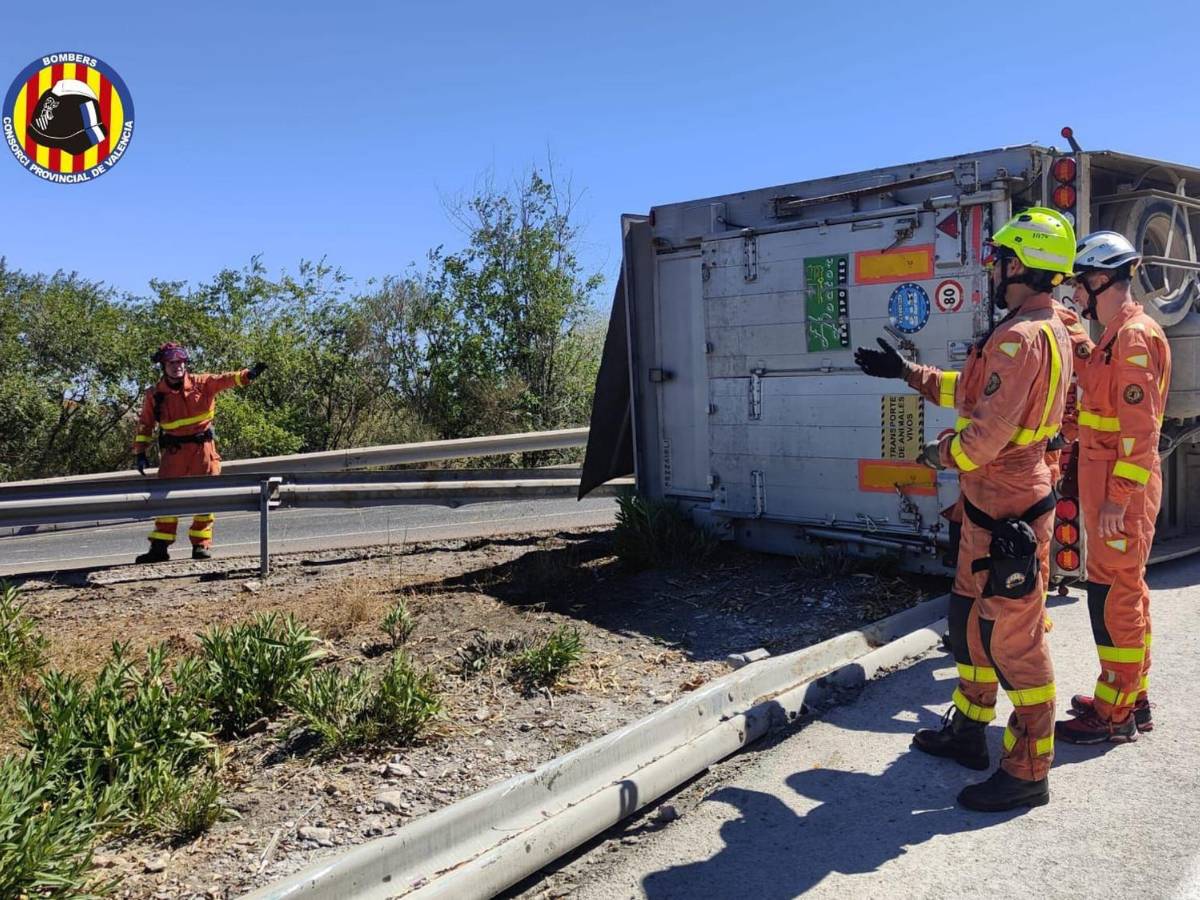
pixel 909 307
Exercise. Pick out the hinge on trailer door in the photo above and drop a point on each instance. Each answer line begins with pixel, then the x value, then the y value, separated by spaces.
pixel 666 462
pixel 755 395
pixel 760 493
pixel 967 176
pixel 750 254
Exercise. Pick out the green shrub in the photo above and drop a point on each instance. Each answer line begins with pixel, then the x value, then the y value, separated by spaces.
pixel 22 647
pixel 246 670
pixel 404 702
pixel 398 624
pixel 46 835
pixel 188 805
pixel 543 665
pixel 120 738
pixel 345 711
pixel 331 704
pixel 482 652
pixel 658 533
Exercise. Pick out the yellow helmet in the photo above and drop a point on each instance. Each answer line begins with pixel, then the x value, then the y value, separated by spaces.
pixel 1041 239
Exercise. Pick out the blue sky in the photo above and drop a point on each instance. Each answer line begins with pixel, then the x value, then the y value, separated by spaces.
pixel 303 129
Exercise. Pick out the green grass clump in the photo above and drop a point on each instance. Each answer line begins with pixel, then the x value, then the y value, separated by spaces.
pixel 22 646
pixel 344 710
pixel 398 624
pixel 246 670
pixel 544 664
pixel 653 533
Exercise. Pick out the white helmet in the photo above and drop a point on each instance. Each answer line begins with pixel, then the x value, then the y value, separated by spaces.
pixel 1106 250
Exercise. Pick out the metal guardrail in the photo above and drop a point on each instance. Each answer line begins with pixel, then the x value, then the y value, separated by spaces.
pixel 356 458
pixel 267 484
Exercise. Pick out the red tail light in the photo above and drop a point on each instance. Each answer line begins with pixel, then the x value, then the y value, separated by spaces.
pixel 1064 170
pixel 1067 559
pixel 1067 509
pixel 1063 196
pixel 1067 533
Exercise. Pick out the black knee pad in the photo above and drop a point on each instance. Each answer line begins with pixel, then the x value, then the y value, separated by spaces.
pixel 960 610
pixel 985 635
pixel 1097 598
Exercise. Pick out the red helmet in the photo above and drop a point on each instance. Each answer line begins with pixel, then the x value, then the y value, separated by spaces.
pixel 170 352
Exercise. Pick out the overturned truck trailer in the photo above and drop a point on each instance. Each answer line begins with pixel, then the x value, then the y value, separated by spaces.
pixel 728 382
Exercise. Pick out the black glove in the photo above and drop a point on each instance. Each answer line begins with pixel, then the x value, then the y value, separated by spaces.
pixel 142 462
pixel 255 370
pixel 930 456
pixel 885 364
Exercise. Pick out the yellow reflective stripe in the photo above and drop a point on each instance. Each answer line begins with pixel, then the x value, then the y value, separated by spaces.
pixel 946 386
pixel 1125 469
pixel 1149 639
pixel 961 423
pixel 165 520
pixel 161 536
pixel 960 458
pixel 143 439
pixel 190 420
pixel 1098 423
pixel 971 710
pixel 206 533
pixel 1041 746
pixel 1046 429
pixel 978 674
pixel 1145 685
pixel 1032 696
pixel 1121 654
pixel 203 517
pixel 240 379
pixel 1113 697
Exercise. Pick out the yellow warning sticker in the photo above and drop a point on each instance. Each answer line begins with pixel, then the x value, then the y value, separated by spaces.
pixel 902 426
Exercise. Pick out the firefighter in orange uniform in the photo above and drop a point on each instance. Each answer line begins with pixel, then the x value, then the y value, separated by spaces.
pixel 182 406
pixel 1124 396
pixel 1011 395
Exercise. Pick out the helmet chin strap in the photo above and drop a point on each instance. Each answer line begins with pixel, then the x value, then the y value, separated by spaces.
pixel 1089 311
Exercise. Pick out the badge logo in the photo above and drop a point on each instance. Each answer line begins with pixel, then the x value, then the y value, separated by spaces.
pixel 1082 351
pixel 68 118
pixel 993 385
pixel 1133 394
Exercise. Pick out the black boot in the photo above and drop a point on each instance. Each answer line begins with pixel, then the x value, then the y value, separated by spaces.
pixel 156 553
pixel 201 553
pixel 1003 791
pixel 961 739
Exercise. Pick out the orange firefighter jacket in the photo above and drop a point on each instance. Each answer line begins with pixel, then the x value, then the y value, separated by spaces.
pixel 183 411
pixel 1010 399
pixel 1124 387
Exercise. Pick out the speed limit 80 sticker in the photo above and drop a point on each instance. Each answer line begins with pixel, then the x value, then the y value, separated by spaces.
pixel 948 297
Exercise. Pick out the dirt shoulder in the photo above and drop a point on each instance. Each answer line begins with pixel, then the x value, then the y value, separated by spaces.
pixel 649 637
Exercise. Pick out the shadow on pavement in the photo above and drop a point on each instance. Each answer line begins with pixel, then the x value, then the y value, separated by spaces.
pixel 772 851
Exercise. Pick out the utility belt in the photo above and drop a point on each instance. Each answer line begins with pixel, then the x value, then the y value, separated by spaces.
pixel 1011 562
pixel 174 442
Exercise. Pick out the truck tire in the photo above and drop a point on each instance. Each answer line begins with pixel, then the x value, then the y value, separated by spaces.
pixel 1167 294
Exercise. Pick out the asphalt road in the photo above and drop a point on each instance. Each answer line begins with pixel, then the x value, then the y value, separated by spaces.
pixel 842 808
pixel 297 530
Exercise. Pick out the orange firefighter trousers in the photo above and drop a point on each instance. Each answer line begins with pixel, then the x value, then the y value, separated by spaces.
pixel 1012 394
pixel 1124 385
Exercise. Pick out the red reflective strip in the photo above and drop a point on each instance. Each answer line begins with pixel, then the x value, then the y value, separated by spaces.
pixel 105 118
pixel 56 75
pixel 31 99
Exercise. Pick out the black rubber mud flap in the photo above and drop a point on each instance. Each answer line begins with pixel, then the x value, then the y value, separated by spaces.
pixel 610 438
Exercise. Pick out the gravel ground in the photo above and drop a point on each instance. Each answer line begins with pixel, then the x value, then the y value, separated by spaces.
pixel 649 637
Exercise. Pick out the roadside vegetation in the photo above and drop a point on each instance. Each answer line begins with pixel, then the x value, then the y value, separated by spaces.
pixel 651 533
pixel 138 747
pixel 500 335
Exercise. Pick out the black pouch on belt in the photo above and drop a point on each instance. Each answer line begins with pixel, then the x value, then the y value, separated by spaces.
pixel 1011 563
